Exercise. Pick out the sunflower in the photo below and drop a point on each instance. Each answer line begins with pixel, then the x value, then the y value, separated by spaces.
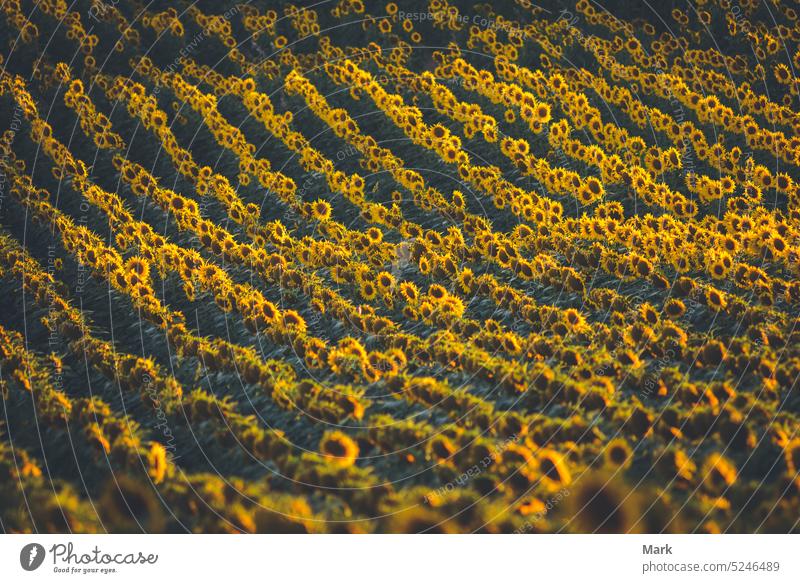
pixel 129 505
pixel 321 210
pixel 542 113
pixel 289 517
pixel 268 311
pixel 415 518
pixel 648 314
pixel 791 453
pixel 437 292
pixel 553 468
pixel 618 453
pixel 782 73
pixel 713 353
pixel 294 321
pixel 426 310
pixel 138 266
pixel 409 291
pixel 674 308
pixel 718 473
pixel 385 281
pixel 600 503
pixel 339 449
pixel 438 131
pixel 715 300
pixel 157 462
pixel 720 266
pixel 369 291
pixel 424 265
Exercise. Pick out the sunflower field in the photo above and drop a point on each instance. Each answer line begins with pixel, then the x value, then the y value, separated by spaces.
pixel 428 266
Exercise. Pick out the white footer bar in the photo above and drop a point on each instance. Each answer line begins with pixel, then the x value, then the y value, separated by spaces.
pixel 401 558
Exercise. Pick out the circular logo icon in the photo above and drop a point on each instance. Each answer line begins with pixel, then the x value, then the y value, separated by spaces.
pixel 31 556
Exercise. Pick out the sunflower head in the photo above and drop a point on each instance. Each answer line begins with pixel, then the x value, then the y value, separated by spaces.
pixel 602 503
